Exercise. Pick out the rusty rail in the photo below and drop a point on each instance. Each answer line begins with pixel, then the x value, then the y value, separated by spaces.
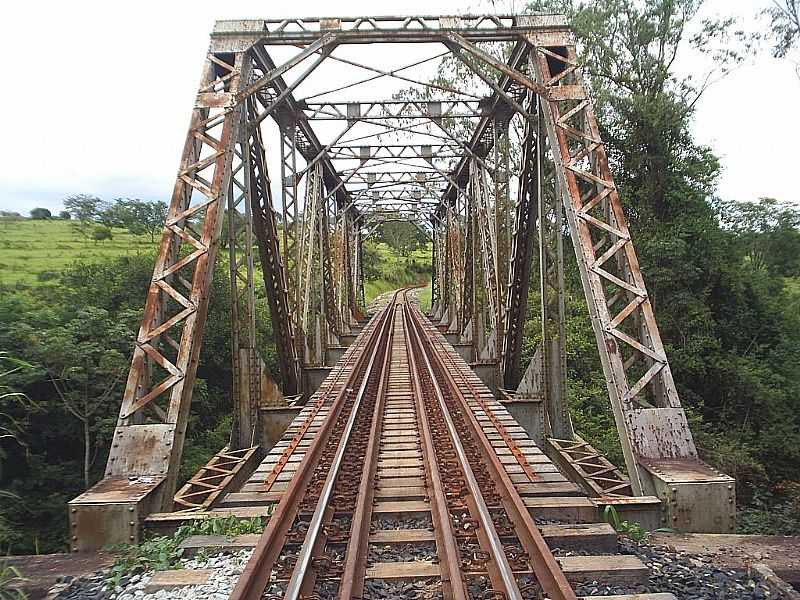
pixel 545 567
pixel 256 576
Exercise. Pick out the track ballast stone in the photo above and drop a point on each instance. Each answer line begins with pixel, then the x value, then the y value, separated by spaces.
pixel 687 576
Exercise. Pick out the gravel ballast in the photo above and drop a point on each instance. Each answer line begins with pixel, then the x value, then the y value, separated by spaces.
pixel 687 576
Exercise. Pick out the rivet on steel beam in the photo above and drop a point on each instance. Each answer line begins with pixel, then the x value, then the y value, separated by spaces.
pixel 130 509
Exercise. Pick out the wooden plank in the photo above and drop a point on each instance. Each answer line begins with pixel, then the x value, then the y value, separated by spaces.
pixel 599 538
pixel 235 499
pixel 559 488
pixel 401 507
pixel 385 493
pixel 222 543
pixel 566 509
pixel 167 580
pixel 401 536
pixel 403 570
pixel 615 568
pixel 401 482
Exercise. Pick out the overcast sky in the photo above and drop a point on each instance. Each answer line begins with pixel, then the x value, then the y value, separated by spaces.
pixel 97 97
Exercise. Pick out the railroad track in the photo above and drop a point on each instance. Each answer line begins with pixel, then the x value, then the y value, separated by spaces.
pixel 404 478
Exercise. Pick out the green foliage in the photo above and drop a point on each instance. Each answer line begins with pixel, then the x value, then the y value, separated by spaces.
pixel 139 217
pixel 766 516
pixel 80 333
pixel 630 529
pixel 784 16
pixel 162 553
pixel 403 236
pixel 83 207
pixel 29 247
pixel 102 233
pixel 41 214
pixel 386 269
pixel 230 526
pixel 10 581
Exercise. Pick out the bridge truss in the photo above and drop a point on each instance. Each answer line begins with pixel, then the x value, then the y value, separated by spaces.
pixel 283 169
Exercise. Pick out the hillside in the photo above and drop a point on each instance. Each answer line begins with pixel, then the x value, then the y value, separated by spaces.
pixel 32 251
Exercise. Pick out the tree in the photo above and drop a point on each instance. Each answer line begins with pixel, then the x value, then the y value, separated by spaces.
pixel 64 215
pixel 784 18
pixel 84 208
pixel 12 426
pixel 83 371
pixel 402 236
pixel 147 217
pixel 102 233
pixel 40 214
pixel 769 231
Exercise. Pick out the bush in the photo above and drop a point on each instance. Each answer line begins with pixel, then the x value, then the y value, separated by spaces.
pixel 47 276
pixel 102 233
pixel 40 214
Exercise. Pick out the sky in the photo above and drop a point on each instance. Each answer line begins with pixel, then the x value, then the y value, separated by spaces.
pixel 97 96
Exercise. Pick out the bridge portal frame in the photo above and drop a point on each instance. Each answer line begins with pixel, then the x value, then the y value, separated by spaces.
pixel 482 264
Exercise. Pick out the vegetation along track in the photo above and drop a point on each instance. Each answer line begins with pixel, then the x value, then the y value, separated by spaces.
pixel 403 405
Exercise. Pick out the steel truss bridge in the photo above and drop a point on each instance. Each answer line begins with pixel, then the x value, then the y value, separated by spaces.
pixel 287 168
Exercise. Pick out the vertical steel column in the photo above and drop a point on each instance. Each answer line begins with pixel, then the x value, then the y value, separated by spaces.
pixel 273 266
pixel 551 290
pixel 245 389
pixel 522 244
pixel 502 221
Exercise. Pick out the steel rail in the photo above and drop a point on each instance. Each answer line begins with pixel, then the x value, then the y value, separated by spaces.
pixel 545 566
pixel 258 571
pixel 358 545
pixel 315 525
pixel 319 404
pixel 453 585
pixel 496 548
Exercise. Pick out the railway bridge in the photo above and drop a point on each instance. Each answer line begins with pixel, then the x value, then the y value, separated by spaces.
pixel 298 149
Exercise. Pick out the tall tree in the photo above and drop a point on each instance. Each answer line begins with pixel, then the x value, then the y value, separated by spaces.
pixel 84 371
pixel 138 216
pixel 84 209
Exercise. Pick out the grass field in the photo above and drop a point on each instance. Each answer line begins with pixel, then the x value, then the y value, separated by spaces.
pixel 29 248
pixel 395 270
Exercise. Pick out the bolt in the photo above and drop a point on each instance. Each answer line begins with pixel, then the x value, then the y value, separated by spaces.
pixel 74 510
pixel 75 537
pixel 130 509
pixel 132 523
pixel 132 537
